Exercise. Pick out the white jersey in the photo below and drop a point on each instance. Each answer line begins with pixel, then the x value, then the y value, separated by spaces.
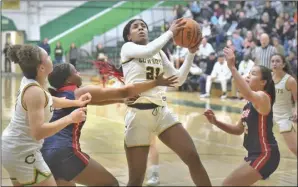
pixel 141 63
pixel 283 102
pixel 16 137
pixel 143 69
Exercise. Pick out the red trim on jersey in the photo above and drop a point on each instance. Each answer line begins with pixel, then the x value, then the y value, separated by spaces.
pixel 265 148
pixel 68 88
pixel 76 144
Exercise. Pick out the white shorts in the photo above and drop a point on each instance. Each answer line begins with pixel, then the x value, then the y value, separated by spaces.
pixel 142 125
pixel 284 123
pixel 27 168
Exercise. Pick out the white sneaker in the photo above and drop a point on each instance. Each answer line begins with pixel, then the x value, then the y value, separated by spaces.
pixel 153 179
pixel 224 96
pixel 205 96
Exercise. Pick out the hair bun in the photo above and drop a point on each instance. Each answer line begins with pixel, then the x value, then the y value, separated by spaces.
pixel 12 53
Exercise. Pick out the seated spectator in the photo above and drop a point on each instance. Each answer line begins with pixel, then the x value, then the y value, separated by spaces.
pixel 206 29
pixel 238 43
pixel 205 49
pixel 292 60
pixel 244 68
pixel 279 48
pixel 179 56
pixel 266 24
pixel 58 53
pixel 271 11
pixel 220 74
pixel 206 67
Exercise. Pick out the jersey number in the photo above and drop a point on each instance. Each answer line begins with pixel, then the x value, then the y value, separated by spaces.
pixel 152 73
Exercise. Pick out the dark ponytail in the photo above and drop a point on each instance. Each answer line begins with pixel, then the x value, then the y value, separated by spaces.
pixel 58 77
pixel 269 86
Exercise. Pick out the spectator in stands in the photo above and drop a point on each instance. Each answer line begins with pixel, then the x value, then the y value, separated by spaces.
pixel 206 29
pixel 292 60
pixel 251 12
pixel 244 68
pixel 7 62
pixel 288 34
pixel 100 53
pixel 271 11
pixel 248 40
pixel 279 48
pixel 195 9
pixel 73 54
pixel 58 53
pixel 205 49
pixel 278 27
pixel 187 12
pixel 44 44
pixel 220 74
pixel 179 56
pixel 265 51
pixel 206 67
pixel 278 6
pixel 266 23
pixel 238 43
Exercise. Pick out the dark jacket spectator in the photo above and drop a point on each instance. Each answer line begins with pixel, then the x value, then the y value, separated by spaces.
pixel 45 46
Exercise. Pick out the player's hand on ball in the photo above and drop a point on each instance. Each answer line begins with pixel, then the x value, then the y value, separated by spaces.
pixel 78 115
pixel 210 116
pixel 177 25
pixel 230 57
pixel 169 81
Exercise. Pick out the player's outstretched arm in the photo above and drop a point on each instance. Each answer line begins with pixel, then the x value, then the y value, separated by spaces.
pixel 231 129
pixel 102 94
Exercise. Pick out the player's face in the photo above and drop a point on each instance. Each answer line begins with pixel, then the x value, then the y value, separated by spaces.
pixel 75 77
pixel 46 66
pixel 138 32
pixel 254 79
pixel 277 63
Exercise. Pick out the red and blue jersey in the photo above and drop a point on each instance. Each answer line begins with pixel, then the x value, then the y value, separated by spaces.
pixel 258 135
pixel 69 137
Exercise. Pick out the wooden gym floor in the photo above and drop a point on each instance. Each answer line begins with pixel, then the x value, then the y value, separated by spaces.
pixel 102 139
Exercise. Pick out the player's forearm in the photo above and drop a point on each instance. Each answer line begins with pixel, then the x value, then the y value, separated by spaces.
pixel 243 87
pixel 64 103
pixel 137 88
pixel 152 48
pixel 184 69
pixel 231 129
pixel 49 129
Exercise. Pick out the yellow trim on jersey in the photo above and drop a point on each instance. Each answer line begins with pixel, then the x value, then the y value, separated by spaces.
pixel 28 86
pixel 124 62
pixel 37 179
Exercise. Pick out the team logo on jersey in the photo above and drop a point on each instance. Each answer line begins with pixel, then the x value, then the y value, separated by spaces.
pixel 279 91
pixel 30 159
pixel 245 113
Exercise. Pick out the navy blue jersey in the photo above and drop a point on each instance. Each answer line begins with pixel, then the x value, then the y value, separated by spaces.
pixel 70 135
pixel 258 137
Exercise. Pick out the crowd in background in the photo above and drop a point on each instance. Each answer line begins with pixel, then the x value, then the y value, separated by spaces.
pixel 254 29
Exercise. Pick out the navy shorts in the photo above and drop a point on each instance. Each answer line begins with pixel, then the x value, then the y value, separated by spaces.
pixel 65 163
pixel 265 163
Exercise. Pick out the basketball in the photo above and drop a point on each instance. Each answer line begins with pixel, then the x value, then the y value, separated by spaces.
pixel 190 36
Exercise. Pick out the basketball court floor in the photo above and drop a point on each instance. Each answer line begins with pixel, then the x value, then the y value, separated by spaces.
pixel 102 138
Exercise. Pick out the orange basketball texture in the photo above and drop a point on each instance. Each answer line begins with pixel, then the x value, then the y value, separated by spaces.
pixel 190 36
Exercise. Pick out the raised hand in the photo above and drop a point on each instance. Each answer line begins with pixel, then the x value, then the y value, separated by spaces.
pixel 177 25
pixel 230 57
pixel 162 81
pixel 210 116
pixel 78 115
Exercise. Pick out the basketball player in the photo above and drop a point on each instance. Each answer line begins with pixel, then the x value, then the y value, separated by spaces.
pixel 23 138
pixel 256 123
pixel 283 112
pixel 62 151
pixel 149 114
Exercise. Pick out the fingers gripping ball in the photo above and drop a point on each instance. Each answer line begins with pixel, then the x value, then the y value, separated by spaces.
pixel 190 36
